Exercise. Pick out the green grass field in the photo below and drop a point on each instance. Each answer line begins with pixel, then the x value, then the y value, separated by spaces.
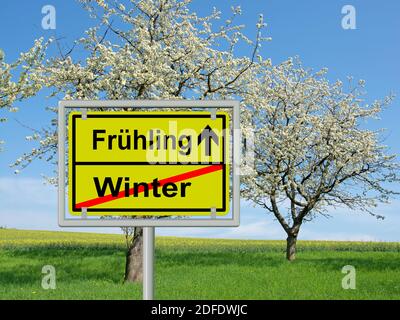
pixel 90 266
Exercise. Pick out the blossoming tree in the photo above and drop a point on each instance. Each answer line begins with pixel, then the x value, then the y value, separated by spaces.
pixel 153 49
pixel 311 148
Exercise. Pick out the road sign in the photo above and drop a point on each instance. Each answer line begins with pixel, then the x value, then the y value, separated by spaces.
pixel 115 166
pixel 149 163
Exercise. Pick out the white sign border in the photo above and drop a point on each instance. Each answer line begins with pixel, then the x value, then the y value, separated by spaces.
pixel 138 222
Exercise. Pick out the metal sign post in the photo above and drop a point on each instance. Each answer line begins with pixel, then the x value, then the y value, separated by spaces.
pixel 148 263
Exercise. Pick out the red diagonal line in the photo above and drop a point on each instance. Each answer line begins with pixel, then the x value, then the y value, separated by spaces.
pixel 177 178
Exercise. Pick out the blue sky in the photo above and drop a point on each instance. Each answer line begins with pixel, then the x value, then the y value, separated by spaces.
pixel 310 29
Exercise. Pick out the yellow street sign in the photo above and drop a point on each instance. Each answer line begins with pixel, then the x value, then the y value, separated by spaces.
pixel 148 163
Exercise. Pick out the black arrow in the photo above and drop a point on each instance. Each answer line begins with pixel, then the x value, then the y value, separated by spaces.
pixel 207 134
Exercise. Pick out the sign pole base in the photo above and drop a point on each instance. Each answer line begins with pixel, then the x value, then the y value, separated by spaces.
pixel 148 263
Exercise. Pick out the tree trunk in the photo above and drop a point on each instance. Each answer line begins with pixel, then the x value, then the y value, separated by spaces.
pixel 134 258
pixel 291 247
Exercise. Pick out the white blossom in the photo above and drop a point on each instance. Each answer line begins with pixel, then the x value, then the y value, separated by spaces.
pixel 149 49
